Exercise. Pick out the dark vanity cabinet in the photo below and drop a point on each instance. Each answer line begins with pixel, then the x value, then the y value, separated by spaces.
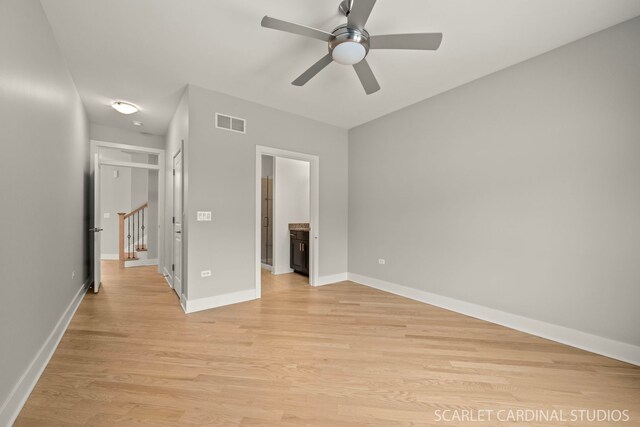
pixel 299 254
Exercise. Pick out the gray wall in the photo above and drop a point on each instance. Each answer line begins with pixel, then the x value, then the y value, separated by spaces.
pixel 152 218
pixel 519 191
pixel 124 136
pixel 267 166
pixel 221 179
pixel 43 221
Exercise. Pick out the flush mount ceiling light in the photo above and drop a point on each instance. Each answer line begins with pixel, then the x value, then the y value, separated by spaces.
pixel 124 107
pixel 137 123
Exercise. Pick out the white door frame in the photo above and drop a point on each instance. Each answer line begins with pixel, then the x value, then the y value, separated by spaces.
pixel 314 210
pixel 182 292
pixel 97 225
pixel 160 167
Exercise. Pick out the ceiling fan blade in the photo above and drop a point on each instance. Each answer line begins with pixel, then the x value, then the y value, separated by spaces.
pixel 359 13
pixel 290 27
pixel 423 41
pixel 366 77
pixel 313 70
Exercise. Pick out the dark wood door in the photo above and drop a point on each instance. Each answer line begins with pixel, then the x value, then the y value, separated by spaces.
pixel 299 255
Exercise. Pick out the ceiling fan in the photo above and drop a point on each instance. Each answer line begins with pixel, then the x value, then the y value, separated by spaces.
pixel 349 44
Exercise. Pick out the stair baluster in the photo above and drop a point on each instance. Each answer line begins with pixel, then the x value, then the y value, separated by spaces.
pixel 134 228
pixel 138 230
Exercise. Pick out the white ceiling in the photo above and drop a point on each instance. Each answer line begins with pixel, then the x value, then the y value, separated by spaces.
pixel 146 51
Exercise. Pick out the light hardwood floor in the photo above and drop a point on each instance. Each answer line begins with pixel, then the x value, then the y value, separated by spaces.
pixel 338 355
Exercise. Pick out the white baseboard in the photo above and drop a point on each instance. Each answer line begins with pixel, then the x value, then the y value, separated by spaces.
pixel 110 256
pixel 140 263
pixel 596 344
pixel 331 278
pixel 281 270
pixel 200 304
pixel 168 278
pixel 266 267
pixel 13 404
pixel 183 303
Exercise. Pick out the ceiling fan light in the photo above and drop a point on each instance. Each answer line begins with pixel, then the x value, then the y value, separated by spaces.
pixel 348 53
pixel 124 107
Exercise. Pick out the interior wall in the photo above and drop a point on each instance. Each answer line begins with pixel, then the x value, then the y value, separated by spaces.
pixel 519 191
pixel 222 179
pixel 267 166
pixel 139 181
pixel 177 133
pixel 152 220
pixel 44 188
pixel 291 205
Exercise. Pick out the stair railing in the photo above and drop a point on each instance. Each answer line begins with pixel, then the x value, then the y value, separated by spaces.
pixel 132 226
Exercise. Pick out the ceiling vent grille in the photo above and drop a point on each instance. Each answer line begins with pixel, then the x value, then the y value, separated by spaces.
pixel 233 124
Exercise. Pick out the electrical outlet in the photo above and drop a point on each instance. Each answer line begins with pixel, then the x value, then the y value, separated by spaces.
pixel 73 274
pixel 205 273
pixel 382 261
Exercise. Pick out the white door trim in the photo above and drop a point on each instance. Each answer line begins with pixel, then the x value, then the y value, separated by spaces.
pixel 106 162
pixel 314 210
pixel 160 167
pixel 182 293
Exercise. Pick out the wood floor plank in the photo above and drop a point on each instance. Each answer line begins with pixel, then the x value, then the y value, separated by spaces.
pixel 338 355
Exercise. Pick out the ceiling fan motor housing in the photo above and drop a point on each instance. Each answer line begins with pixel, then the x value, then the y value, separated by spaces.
pixel 349 45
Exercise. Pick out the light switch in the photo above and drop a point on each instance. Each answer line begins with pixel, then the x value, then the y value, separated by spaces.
pixel 204 216
pixel 106 215
pixel 116 173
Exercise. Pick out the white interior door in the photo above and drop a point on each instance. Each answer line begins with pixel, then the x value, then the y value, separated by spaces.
pixel 177 223
pixel 97 224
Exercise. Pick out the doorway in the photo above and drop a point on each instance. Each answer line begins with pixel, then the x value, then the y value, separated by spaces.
pixel 287 214
pixel 128 193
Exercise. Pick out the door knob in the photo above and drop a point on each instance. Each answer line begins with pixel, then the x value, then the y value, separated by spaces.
pixel 96 229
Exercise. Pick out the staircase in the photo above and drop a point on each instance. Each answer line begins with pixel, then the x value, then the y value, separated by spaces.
pixel 133 249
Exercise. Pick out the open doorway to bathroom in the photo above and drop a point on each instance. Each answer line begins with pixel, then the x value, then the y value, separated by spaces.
pixel 287 219
pixel 285 210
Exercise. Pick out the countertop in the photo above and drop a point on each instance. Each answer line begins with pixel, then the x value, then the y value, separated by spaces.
pixel 299 226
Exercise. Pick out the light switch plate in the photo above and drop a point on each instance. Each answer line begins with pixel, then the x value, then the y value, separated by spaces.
pixel 204 216
pixel 106 215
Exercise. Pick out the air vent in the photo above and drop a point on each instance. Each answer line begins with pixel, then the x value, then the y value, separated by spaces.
pixel 233 124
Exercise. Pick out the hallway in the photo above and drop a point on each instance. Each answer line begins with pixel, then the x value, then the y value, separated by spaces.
pixel 338 355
